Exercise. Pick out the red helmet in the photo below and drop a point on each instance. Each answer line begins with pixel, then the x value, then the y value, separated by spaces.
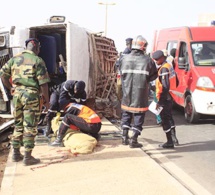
pixel 139 42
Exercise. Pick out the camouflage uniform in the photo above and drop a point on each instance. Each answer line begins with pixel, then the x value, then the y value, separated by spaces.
pixel 28 72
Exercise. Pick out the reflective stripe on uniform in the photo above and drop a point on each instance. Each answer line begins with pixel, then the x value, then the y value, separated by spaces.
pixel 163 74
pixel 65 123
pixel 53 111
pixel 168 130
pixel 135 129
pixel 65 87
pixel 93 116
pixel 85 113
pixel 136 71
pixel 172 79
pixel 126 126
pixel 134 109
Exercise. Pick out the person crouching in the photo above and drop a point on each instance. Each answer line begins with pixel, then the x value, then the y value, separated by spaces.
pixel 80 117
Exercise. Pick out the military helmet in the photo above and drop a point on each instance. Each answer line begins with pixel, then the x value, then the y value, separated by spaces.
pixel 139 42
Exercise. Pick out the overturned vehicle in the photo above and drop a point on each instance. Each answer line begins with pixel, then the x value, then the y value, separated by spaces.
pixel 70 52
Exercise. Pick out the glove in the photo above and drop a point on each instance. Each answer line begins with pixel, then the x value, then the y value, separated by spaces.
pixel 58 115
pixel 78 100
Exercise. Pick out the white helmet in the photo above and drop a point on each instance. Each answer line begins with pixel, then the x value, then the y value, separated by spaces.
pixel 139 42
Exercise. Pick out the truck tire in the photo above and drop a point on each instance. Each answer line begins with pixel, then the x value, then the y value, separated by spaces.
pixel 189 111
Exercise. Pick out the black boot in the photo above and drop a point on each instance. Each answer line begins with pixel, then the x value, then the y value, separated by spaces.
pixel 30 160
pixel 59 140
pixel 174 138
pixel 125 138
pixel 133 141
pixel 48 129
pixel 169 144
pixel 17 156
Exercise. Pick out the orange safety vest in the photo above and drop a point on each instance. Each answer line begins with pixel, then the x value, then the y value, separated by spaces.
pixel 89 115
pixel 86 113
pixel 172 80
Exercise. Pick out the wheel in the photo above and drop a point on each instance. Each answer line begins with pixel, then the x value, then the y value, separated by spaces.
pixel 189 111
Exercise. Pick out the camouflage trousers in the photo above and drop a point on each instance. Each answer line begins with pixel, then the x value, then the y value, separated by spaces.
pixel 26 114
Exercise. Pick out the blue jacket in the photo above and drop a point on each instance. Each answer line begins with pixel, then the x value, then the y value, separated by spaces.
pixel 67 95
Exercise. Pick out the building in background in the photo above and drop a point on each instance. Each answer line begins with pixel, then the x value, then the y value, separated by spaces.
pixel 206 19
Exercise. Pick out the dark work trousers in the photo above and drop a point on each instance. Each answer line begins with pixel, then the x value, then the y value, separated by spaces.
pixel 166 116
pixel 138 120
pixel 54 106
pixel 88 128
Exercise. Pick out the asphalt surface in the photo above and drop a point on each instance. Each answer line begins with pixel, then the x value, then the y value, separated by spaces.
pixel 195 155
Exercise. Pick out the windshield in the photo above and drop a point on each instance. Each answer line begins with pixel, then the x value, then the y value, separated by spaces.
pixel 203 53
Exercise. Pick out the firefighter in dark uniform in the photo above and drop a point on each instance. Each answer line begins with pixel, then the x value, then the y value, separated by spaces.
pixel 166 81
pixel 137 69
pixel 62 95
pixel 126 51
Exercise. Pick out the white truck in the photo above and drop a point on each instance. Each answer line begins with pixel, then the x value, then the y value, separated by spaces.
pixel 70 52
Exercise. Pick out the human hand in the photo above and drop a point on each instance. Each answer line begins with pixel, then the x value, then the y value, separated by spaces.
pixel 46 105
pixel 12 90
pixel 157 106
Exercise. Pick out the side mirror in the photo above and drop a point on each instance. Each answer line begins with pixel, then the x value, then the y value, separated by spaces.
pixel 182 64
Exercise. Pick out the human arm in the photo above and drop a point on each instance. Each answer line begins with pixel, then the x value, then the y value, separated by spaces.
pixel 45 94
pixel 152 85
pixel 43 79
pixel 6 89
pixel 81 98
pixel 5 74
pixel 64 96
pixel 6 83
pixel 76 91
pixel 153 73
pixel 164 80
pixel 72 110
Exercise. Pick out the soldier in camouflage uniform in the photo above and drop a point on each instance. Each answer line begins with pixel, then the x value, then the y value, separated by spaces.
pixel 29 82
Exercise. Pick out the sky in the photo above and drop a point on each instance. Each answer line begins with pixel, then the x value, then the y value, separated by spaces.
pixel 127 18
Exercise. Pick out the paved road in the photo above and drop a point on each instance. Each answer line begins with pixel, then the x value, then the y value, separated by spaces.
pixel 196 154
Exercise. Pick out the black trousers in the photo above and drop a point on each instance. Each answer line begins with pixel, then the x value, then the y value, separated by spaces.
pixel 54 106
pixel 88 128
pixel 166 116
pixel 138 120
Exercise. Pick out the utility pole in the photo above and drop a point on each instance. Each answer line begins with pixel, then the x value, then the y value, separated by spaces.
pixel 106 14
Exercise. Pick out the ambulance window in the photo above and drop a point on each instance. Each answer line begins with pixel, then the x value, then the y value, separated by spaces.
pixel 183 57
pixel 183 50
pixel 196 48
pixel 171 45
pixel 203 53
